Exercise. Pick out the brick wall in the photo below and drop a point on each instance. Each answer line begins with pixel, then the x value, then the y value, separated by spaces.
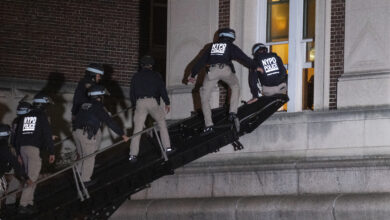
pixel 224 21
pixel 336 49
pixel 42 37
pixel 224 13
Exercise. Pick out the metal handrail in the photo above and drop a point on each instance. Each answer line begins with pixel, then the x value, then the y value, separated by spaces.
pixel 78 161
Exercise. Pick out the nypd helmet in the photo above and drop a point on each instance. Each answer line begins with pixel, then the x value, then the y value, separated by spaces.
pixel 23 108
pixel 227 33
pixel 41 100
pixel 94 68
pixel 259 47
pixel 147 60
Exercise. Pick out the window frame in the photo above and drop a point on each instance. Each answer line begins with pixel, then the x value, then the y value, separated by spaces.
pixel 296 52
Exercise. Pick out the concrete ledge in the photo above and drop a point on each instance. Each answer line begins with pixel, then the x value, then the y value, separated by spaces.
pixel 340 133
pixel 306 207
pixel 259 178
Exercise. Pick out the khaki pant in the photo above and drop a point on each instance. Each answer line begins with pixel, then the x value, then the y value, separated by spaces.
pixel 273 90
pixel 86 147
pixel 13 184
pixel 32 164
pixel 143 108
pixel 214 75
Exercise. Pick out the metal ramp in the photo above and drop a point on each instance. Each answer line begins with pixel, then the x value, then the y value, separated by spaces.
pixel 61 197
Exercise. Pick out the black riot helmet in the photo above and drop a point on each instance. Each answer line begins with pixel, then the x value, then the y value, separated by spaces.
pixel 23 108
pixel 94 72
pixel 97 91
pixel 41 101
pixel 5 131
pixel 227 33
pixel 259 48
pixel 147 61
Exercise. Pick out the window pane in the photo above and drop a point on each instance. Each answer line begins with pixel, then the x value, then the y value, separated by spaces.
pixel 282 51
pixel 278 19
pixel 309 19
pixel 310 52
pixel 159 33
pixel 308 88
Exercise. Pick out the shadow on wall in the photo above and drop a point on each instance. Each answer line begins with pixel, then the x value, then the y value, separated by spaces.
pixel 4 109
pixel 56 112
pixel 114 103
pixel 201 74
pixel 199 81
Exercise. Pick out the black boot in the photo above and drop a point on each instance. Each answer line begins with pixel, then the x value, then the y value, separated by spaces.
pixel 207 130
pixel 169 151
pixel 27 210
pixel 133 159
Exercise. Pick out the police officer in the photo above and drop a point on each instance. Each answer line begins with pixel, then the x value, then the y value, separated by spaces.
pixel 7 159
pixel 14 183
pixel 87 134
pixel 33 134
pixel 272 76
pixel 93 75
pixel 146 89
pixel 218 56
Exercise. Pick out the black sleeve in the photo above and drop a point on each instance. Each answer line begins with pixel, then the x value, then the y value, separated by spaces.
pixel 47 134
pixel 18 132
pixel 19 171
pixel 7 157
pixel 282 69
pixel 132 92
pixel 239 55
pixel 14 129
pixel 78 98
pixel 163 91
pixel 253 79
pixel 201 62
pixel 104 117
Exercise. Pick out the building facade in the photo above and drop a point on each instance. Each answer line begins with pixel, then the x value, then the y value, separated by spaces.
pixel 323 156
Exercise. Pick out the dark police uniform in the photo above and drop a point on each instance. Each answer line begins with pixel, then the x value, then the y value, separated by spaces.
pixel 272 80
pixel 9 161
pixel 81 92
pixel 80 95
pixel 146 89
pixel 88 135
pixel 13 184
pixel 33 134
pixel 219 58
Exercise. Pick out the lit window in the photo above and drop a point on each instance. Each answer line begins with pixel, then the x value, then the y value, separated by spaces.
pixel 278 19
